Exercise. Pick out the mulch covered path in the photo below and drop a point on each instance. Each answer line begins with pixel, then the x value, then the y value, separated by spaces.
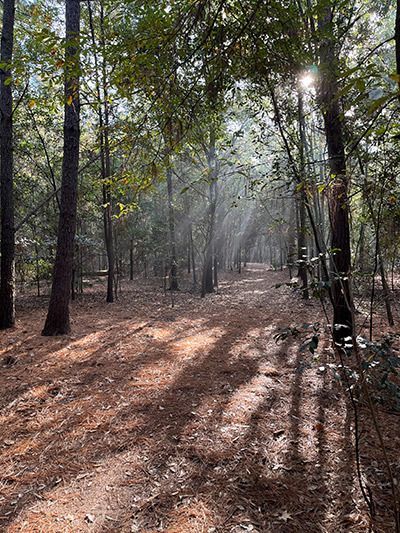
pixel 186 419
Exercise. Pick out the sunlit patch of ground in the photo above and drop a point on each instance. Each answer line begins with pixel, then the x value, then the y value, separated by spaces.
pixel 186 419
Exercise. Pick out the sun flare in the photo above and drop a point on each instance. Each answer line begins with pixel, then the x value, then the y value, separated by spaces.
pixel 307 80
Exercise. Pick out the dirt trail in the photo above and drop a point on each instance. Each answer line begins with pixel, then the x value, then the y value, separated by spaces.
pixel 186 419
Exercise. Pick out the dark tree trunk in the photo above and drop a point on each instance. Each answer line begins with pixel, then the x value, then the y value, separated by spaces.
pixel 385 291
pixel 207 282
pixel 215 272
pixel 291 242
pixel 7 268
pixel 189 270
pixel 193 255
pixel 103 113
pixel 109 242
pixel 73 283
pixel 108 222
pixel 57 321
pixel 361 261
pixel 173 281
pixel 207 285
pixel 302 244
pixel 215 245
pixel 37 267
pixel 338 187
pixel 131 260
pixel 188 234
pixel 302 200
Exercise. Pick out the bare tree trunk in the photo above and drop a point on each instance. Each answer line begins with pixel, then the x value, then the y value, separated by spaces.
pixel 7 249
pixel 108 223
pixel 215 264
pixel 173 282
pixel 207 284
pixel 194 274
pixel 338 187
pixel 103 113
pixel 361 249
pixel 131 260
pixel 302 199
pixel 386 291
pixel 57 321
pixel 292 237
pixel 37 269
pixel 188 233
pixel 215 244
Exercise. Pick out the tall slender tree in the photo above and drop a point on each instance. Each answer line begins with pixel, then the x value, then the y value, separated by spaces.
pixel 173 269
pixel 302 201
pixel 338 184
pixel 207 284
pixel 7 285
pixel 103 112
pixel 57 321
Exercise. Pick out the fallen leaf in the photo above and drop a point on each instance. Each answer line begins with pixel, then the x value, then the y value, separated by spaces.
pixel 89 518
pixel 285 516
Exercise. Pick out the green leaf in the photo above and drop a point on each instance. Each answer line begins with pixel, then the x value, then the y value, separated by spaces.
pixel 379 102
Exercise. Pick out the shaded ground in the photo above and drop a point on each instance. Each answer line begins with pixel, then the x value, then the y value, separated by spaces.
pixel 186 419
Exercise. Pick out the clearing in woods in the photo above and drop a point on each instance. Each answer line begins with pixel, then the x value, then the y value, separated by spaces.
pixel 186 419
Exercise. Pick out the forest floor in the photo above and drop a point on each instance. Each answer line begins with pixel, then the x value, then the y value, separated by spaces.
pixel 186 419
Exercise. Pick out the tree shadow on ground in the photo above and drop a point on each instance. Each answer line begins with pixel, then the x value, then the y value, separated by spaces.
pixel 213 417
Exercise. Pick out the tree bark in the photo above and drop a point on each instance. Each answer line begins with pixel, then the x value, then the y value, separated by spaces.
pixel 108 222
pixel 291 239
pixel 385 291
pixel 131 260
pixel 58 321
pixel 194 275
pixel 207 282
pixel 7 249
pixel 103 113
pixel 173 278
pixel 302 200
pixel 338 182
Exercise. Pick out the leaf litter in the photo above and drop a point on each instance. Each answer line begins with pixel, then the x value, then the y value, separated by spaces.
pixel 187 419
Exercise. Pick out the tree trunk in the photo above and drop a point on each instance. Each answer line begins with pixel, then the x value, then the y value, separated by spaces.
pixel 207 283
pixel 7 249
pixel 131 260
pixel 215 272
pixel 385 290
pixel 338 186
pixel 173 278
pixel 108 222
pixel 37 269
pixel 188 253
pixel 361 260
pixel 291 239
pixel 109 242
pixel 193 255
pixel 397 41
pixel 302 200
pixel 215 244
pixel 57 321
pixel 103 113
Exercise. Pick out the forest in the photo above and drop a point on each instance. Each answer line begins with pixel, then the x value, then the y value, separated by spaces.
pixel 199 266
